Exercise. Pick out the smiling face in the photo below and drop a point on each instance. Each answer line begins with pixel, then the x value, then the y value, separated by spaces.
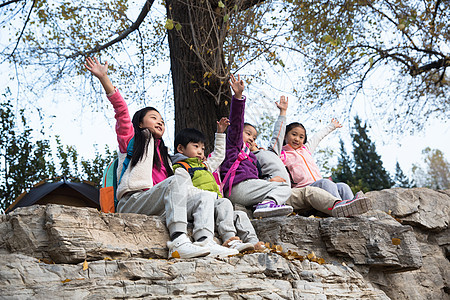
pixel 154 122
pixel 249 135
pixel 192 150
pixel 296 137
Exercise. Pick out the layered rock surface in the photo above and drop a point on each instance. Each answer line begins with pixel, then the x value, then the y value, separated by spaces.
pixel 399 251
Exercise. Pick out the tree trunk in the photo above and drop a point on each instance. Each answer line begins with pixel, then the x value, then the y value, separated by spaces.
pixel 199 100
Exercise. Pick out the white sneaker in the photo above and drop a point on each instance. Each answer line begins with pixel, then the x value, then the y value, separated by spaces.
pixel 271 209
pixel 182 247
pixel 215 249
pixel 240 246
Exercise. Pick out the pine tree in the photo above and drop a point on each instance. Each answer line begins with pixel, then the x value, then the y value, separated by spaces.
pixel 400 178
pixel 369 173
pixel 343 171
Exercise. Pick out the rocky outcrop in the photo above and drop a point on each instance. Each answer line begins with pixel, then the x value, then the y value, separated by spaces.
pixel 399 251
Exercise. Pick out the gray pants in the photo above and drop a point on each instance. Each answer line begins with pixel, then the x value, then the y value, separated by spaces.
pixel 309 197
pixel 176 199
pixel 224 217
pixel 245 230
pixel 340 190
pixel 254 191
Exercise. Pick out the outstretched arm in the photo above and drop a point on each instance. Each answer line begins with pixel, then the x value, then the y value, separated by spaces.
pixel 279 129
pixel 100 71
pixel 316 138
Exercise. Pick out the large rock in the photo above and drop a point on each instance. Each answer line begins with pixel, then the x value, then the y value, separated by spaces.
pixel 419 207
pixel 253 276
pixel 400 251
pixel 365 240
pixel 70 235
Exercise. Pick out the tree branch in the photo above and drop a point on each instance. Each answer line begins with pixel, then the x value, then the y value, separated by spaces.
pixel 23 28
pixel 438 2
pixel 148 4
pixel 437 64
pixel 9 2
pixel 243 4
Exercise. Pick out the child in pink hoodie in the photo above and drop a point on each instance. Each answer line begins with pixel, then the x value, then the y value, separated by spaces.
pixel 297 157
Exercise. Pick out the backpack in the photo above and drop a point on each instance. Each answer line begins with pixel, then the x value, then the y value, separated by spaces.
pixel 189 168
pixel 108 190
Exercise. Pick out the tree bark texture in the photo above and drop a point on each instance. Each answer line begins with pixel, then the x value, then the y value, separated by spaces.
pixel 200 101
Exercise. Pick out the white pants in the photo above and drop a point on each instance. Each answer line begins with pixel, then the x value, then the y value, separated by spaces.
pixel 178 200
pixel 254 191
pixel 309 197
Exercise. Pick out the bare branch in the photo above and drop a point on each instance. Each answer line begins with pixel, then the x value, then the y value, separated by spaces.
pixel 148 4
pixel 438 2
pixel 244 4
pixel 9 2
pixel 23 28
pixel 393 22
pixel 437 64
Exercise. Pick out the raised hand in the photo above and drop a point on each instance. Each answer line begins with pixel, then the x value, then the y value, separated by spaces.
pixel 336 123
pixel 277 179
pixel 237 86
pixel 96 68
pixel 222 125
pixel 282 105
pixel 101 72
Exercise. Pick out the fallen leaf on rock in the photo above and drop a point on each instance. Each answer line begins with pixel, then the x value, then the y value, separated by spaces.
pixel 66 280
pixel 85 265
pixel 396 241
pixel 47 261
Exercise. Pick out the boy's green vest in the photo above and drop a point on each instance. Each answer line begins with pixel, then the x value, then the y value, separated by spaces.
pixel 201 177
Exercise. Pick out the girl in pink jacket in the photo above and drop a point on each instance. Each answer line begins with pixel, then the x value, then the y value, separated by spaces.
pixel 297 157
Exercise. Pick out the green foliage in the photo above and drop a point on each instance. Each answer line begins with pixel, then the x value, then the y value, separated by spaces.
pixel 437 170
pixel 368 164
pixel 400 178
pixel 92 169
pixel 343 171
pixel 324 158
pixel 25 160
pixel 264 127
pixel 365 170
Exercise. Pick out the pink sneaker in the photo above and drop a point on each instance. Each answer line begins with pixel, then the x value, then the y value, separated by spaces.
pixel 356 206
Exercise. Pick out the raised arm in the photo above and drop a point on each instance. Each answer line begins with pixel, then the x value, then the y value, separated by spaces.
pixel 279 129
pixel 101 72
pixel 124 127
pixel 318 136
pixel 234 135
pixel 218 155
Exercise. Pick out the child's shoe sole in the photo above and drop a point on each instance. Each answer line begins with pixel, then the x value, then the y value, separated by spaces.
pixel 353 208
pixel 272 212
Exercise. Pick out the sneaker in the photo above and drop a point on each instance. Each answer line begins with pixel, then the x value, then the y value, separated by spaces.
pixel 240 246
pixel 356 206
pixel 271 209
pixel 182 247
pixel 215 249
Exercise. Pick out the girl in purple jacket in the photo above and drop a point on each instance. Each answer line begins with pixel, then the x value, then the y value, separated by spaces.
pixel 239 170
